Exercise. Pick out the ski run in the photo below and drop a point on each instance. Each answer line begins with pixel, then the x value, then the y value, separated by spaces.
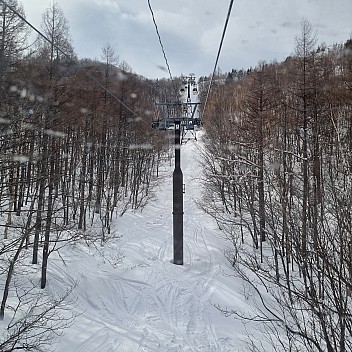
pixel 129 296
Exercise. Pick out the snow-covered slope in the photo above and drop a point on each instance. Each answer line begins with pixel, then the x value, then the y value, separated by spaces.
pixel 146 303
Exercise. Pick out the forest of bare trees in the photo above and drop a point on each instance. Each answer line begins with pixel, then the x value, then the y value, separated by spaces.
pixel 278 163
pixel 77 150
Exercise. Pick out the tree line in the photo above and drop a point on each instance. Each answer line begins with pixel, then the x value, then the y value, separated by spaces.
pixel 278 162
pixel 76 150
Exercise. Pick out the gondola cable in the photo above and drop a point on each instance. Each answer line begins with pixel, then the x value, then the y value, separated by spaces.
pixel 160 41
pixel 218 54
pixel 165 57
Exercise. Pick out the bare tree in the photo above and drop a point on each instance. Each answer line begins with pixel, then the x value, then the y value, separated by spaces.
pixel 55 28
pixel 12 39
pixel 300 280
pixel 41 321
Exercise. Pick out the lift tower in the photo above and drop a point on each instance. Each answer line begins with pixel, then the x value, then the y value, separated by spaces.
pixel 178 199
pixel 180 115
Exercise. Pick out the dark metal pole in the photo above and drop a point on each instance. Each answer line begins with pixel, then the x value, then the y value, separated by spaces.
pixel 178 199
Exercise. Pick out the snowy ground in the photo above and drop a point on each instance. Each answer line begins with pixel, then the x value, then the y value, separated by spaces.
pixel 146 303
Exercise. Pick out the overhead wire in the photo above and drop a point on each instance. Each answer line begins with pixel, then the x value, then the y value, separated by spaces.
pixel 159 37
pixel 218 54
pixel 72 60
pixel 174 84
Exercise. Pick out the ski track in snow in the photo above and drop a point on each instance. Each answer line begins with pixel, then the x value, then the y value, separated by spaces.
pixel 147 303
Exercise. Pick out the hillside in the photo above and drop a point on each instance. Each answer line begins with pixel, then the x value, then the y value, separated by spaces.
pixel 146 303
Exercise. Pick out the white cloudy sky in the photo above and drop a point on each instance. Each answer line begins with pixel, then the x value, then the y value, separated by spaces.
pixel 191 30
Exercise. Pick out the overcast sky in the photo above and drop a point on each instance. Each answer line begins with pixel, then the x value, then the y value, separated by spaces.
pixel 191 30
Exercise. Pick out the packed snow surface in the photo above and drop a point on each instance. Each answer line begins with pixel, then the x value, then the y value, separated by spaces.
pixel 144 302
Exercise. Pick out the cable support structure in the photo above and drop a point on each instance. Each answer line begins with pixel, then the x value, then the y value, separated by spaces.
pixel 218 54
pixel 73 61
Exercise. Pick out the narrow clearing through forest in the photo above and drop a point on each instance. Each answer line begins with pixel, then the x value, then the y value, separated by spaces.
pixel 146 303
